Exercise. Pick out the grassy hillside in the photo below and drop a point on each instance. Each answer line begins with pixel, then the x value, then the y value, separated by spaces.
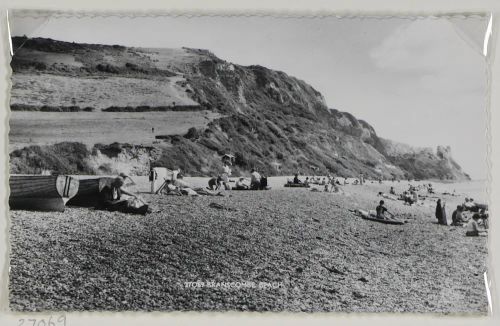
pixel 269 120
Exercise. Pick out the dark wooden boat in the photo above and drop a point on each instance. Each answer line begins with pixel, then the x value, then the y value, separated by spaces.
pixel 242 189
pixel 375 219
pixel 297 185
pixel 88 191
pixel 41 192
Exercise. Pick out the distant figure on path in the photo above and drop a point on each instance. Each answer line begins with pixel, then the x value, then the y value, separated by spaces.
pixel 153 130
pixel 441 213
pixel 392 191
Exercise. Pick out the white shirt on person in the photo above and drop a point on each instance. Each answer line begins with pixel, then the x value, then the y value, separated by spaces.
pixel 255 176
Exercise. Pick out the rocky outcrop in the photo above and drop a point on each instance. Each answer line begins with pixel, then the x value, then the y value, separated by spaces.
pixel 270 120
pixel 424 163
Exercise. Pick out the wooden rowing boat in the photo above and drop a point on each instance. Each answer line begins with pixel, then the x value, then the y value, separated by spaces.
pixel 297 185
pixel 375 219
pixel 88 192
pixel 41 192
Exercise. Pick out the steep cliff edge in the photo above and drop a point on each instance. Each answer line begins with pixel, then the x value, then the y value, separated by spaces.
pixel 425 163
pixel 270 120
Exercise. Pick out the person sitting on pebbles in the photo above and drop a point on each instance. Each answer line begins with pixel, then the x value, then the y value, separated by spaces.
pixel 473 229
pixel 214 183
pixel 458 218
pixel 171 189
pixel 110 198
pixel 254 180
pixel 241 184
pixel 382 210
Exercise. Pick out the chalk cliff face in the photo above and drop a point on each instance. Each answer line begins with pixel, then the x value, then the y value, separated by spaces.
pixel 270 120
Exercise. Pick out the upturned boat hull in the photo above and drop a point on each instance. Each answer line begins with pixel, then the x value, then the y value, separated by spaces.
pixel 40 192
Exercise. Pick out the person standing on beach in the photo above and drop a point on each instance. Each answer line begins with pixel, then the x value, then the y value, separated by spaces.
pixel 441 213
pixel 226 172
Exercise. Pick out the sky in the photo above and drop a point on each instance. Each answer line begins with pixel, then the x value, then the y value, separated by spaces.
pixel 417 81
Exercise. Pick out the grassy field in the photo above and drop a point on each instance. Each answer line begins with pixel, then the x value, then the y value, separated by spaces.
pixel 97 92
pixel 35 128
pixel 324 257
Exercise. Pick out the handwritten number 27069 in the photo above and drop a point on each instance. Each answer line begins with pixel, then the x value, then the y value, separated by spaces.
pixel 51 321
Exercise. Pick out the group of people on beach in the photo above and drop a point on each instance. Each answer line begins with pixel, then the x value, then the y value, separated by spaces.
pixel 476 225
pixel 113 197
pixel 330 183
pixel 479 217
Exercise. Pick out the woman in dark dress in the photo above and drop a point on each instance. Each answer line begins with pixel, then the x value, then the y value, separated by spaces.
pixel 110 199
pixel 441 213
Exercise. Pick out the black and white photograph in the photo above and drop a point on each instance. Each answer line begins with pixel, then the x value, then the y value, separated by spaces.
pixel 248 163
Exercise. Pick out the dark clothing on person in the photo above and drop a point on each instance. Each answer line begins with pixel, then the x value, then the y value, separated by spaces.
pixel 454 218
pixel 214 183
pixel 109 195
pixel 457 218
pixel 381 211
pixel 263 183
pixel 296 180
pixel 110 200
pixel 441 213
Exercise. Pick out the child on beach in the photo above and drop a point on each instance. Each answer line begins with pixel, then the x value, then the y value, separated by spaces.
pixel 473 229
pixel 214 183
pixel 382 210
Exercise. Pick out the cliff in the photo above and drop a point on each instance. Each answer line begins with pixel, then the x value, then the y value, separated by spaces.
pixel 269 120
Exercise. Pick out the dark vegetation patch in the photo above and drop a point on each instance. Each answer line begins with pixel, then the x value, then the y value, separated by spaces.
pixel 66 157
pixel 47 108
pixel 146 108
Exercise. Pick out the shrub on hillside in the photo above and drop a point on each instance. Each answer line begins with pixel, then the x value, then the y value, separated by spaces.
pixel 192 133
pixel 240 160
pixel 111 150
pixel 64 158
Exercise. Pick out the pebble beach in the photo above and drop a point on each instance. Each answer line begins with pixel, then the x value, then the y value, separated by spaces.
pixel 284 249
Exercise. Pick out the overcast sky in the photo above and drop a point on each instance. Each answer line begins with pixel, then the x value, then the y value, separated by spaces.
pixel 420 82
